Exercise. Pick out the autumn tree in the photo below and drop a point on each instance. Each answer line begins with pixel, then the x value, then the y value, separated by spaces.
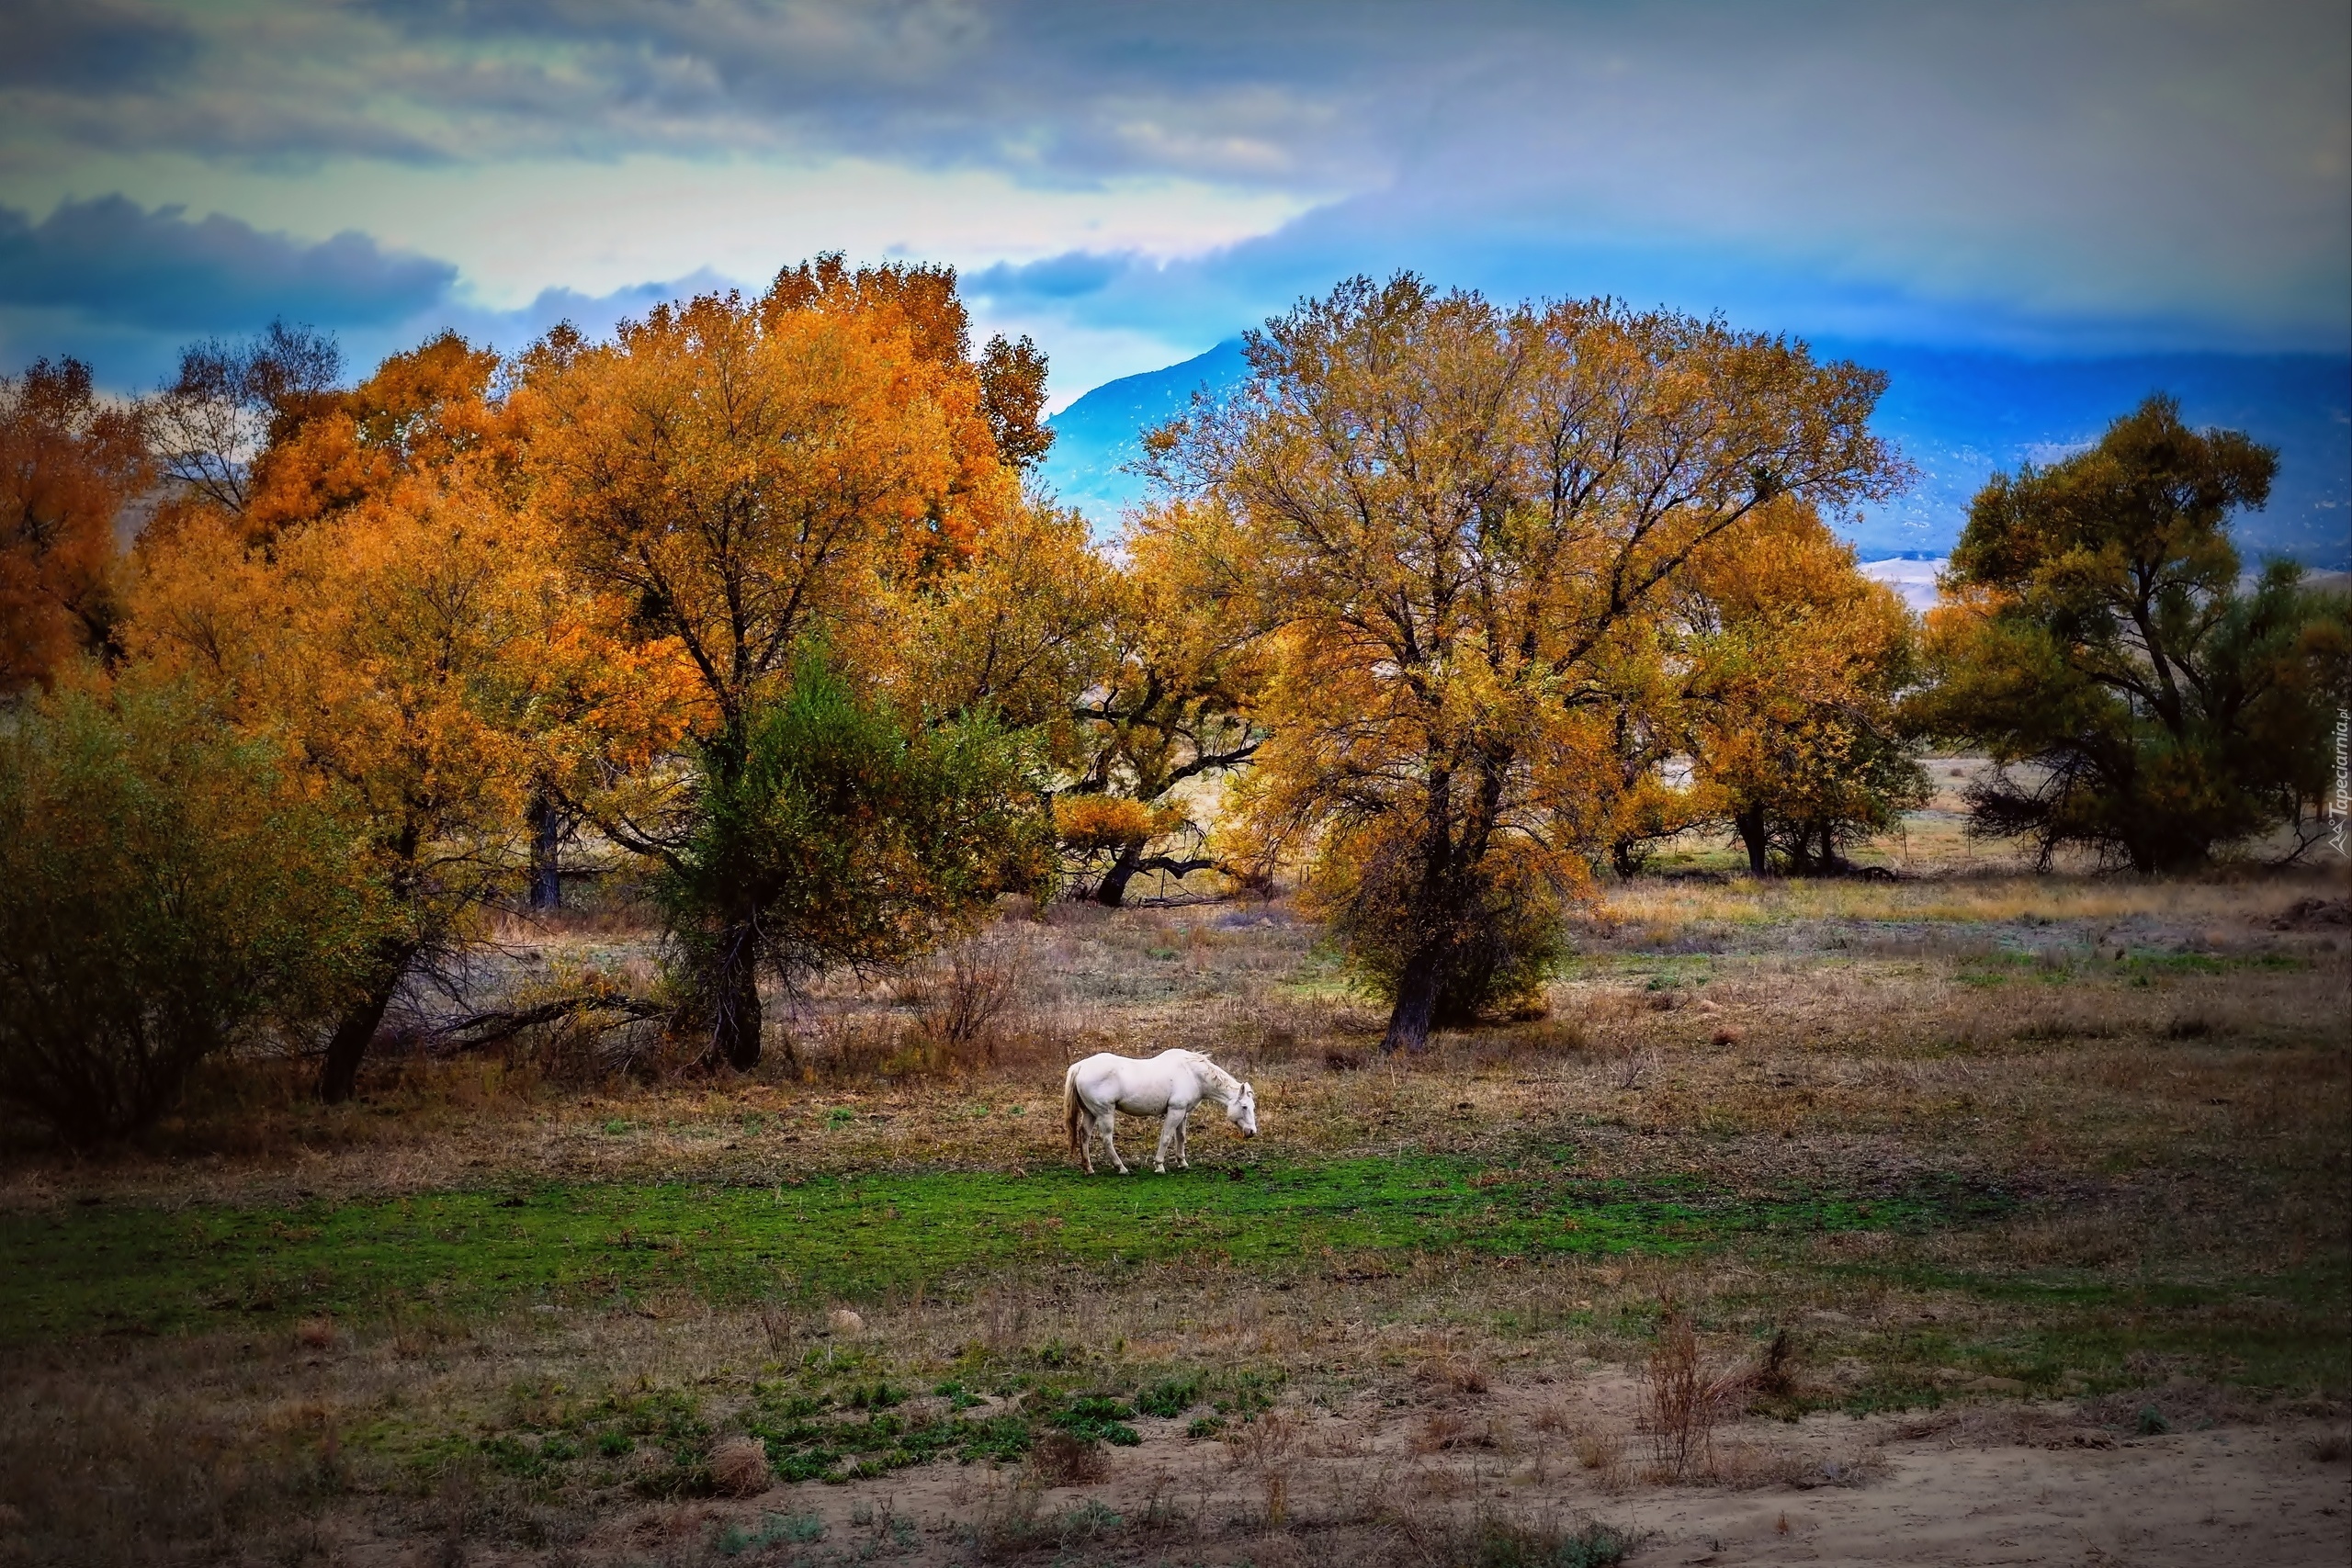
pixel 1641 683
pixel 385 620
pixel 70 464
pixel 1009 376
pixel 1168 708
pixel 230 402
pixel 2137 697
pixel 747 479
pixel 1797 662
pixel 1013 399
pixel 1444 509
pixel 1018 626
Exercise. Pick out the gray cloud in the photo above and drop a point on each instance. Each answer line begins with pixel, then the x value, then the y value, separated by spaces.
pixel 1071 276
pixel 2124 165
pixel 117 263
pixel 123 290
pixel 91 46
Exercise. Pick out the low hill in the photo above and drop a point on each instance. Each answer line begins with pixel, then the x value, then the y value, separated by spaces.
pixel 1959 417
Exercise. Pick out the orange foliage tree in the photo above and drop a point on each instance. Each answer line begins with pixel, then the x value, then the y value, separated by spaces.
pixel 745 479
pixel 378 609
pixel 69 465
pixel 1443 511
pixel 1168 707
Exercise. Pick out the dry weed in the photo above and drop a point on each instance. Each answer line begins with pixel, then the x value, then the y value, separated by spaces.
pixel 1060 1458
pixel 1262 1442
pixel 1454 1374
pixel 972 999
pixel 1684 1398
pixel 739 1467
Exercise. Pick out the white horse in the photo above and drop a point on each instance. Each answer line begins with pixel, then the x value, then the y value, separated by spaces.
pixel 1167 1086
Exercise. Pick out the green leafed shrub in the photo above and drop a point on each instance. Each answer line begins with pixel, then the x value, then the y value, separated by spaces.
pixel 1169 1396
pixel 828 830
pixel 164 896
pixel 1097 1419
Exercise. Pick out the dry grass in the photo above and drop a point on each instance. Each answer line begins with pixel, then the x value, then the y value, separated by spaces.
pixel 739 1467
pixel 2185 1104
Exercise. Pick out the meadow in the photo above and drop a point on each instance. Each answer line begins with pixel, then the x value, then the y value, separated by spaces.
pixel 1807 1209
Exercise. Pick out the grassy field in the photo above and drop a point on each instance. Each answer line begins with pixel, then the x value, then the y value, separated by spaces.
pixel 1960 1153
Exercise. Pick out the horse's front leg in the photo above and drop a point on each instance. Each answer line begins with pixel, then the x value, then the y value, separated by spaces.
pixel 1108 1126
pixel 1171 1133
pixel 1184 1139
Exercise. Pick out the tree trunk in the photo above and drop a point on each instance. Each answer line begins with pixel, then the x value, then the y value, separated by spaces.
pixel 1621 856
pixel 735 1025
pixel 1111 891
pixel 348 1045
pixel 1408 1020
pixel 546 843
pixel 1750 823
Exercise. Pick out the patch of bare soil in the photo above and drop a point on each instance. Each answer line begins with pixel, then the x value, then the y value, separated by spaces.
pixel 1375 1482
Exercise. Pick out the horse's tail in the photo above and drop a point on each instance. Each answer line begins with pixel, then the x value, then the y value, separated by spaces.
pixel 1071 1108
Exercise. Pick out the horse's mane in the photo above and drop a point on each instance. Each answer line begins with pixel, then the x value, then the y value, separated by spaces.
pixel 1226 1082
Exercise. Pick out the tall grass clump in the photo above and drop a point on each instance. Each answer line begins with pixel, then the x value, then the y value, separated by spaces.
pixel 1684 1397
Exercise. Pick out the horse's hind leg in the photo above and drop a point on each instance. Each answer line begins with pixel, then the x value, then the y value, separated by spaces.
pixel 1107 1125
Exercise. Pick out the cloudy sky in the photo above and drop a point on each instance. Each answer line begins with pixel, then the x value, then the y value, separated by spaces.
pixel 1134 181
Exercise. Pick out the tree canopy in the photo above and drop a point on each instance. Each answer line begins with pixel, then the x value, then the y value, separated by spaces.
pixel 1443 514
pixel 2139 698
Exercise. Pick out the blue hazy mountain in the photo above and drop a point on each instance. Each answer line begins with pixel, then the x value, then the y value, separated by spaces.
pixel 1100 431
pixel 1959 418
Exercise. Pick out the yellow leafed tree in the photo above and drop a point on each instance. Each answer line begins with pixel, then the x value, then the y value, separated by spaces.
pixel 1445 511
pixel 394 651
pixel 1796 663
pixel 368 599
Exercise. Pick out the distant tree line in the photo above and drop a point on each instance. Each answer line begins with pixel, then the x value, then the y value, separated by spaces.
pixel 1457 606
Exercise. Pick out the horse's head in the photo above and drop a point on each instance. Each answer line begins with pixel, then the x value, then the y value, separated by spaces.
pixel 1242 1110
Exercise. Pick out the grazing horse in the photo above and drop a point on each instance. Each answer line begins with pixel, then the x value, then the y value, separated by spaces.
pixel 1166 1085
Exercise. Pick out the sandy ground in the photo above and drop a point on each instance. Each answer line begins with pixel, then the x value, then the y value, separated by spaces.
pixel 1999 1484
pixel 2243 1496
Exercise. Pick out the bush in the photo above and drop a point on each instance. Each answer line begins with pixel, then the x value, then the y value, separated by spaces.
pixel 163 896
pixel 1170 1397
pixel 1506 1543
pixel 1497 932
pixel 828 830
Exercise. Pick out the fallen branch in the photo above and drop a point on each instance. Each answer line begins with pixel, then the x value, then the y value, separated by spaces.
pixel 484 1028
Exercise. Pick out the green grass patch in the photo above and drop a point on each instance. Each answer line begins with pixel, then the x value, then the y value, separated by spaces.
pixel 2074 1331
pixel 135 1269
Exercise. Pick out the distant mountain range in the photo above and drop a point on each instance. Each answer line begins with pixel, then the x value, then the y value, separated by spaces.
pixel 1958 417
